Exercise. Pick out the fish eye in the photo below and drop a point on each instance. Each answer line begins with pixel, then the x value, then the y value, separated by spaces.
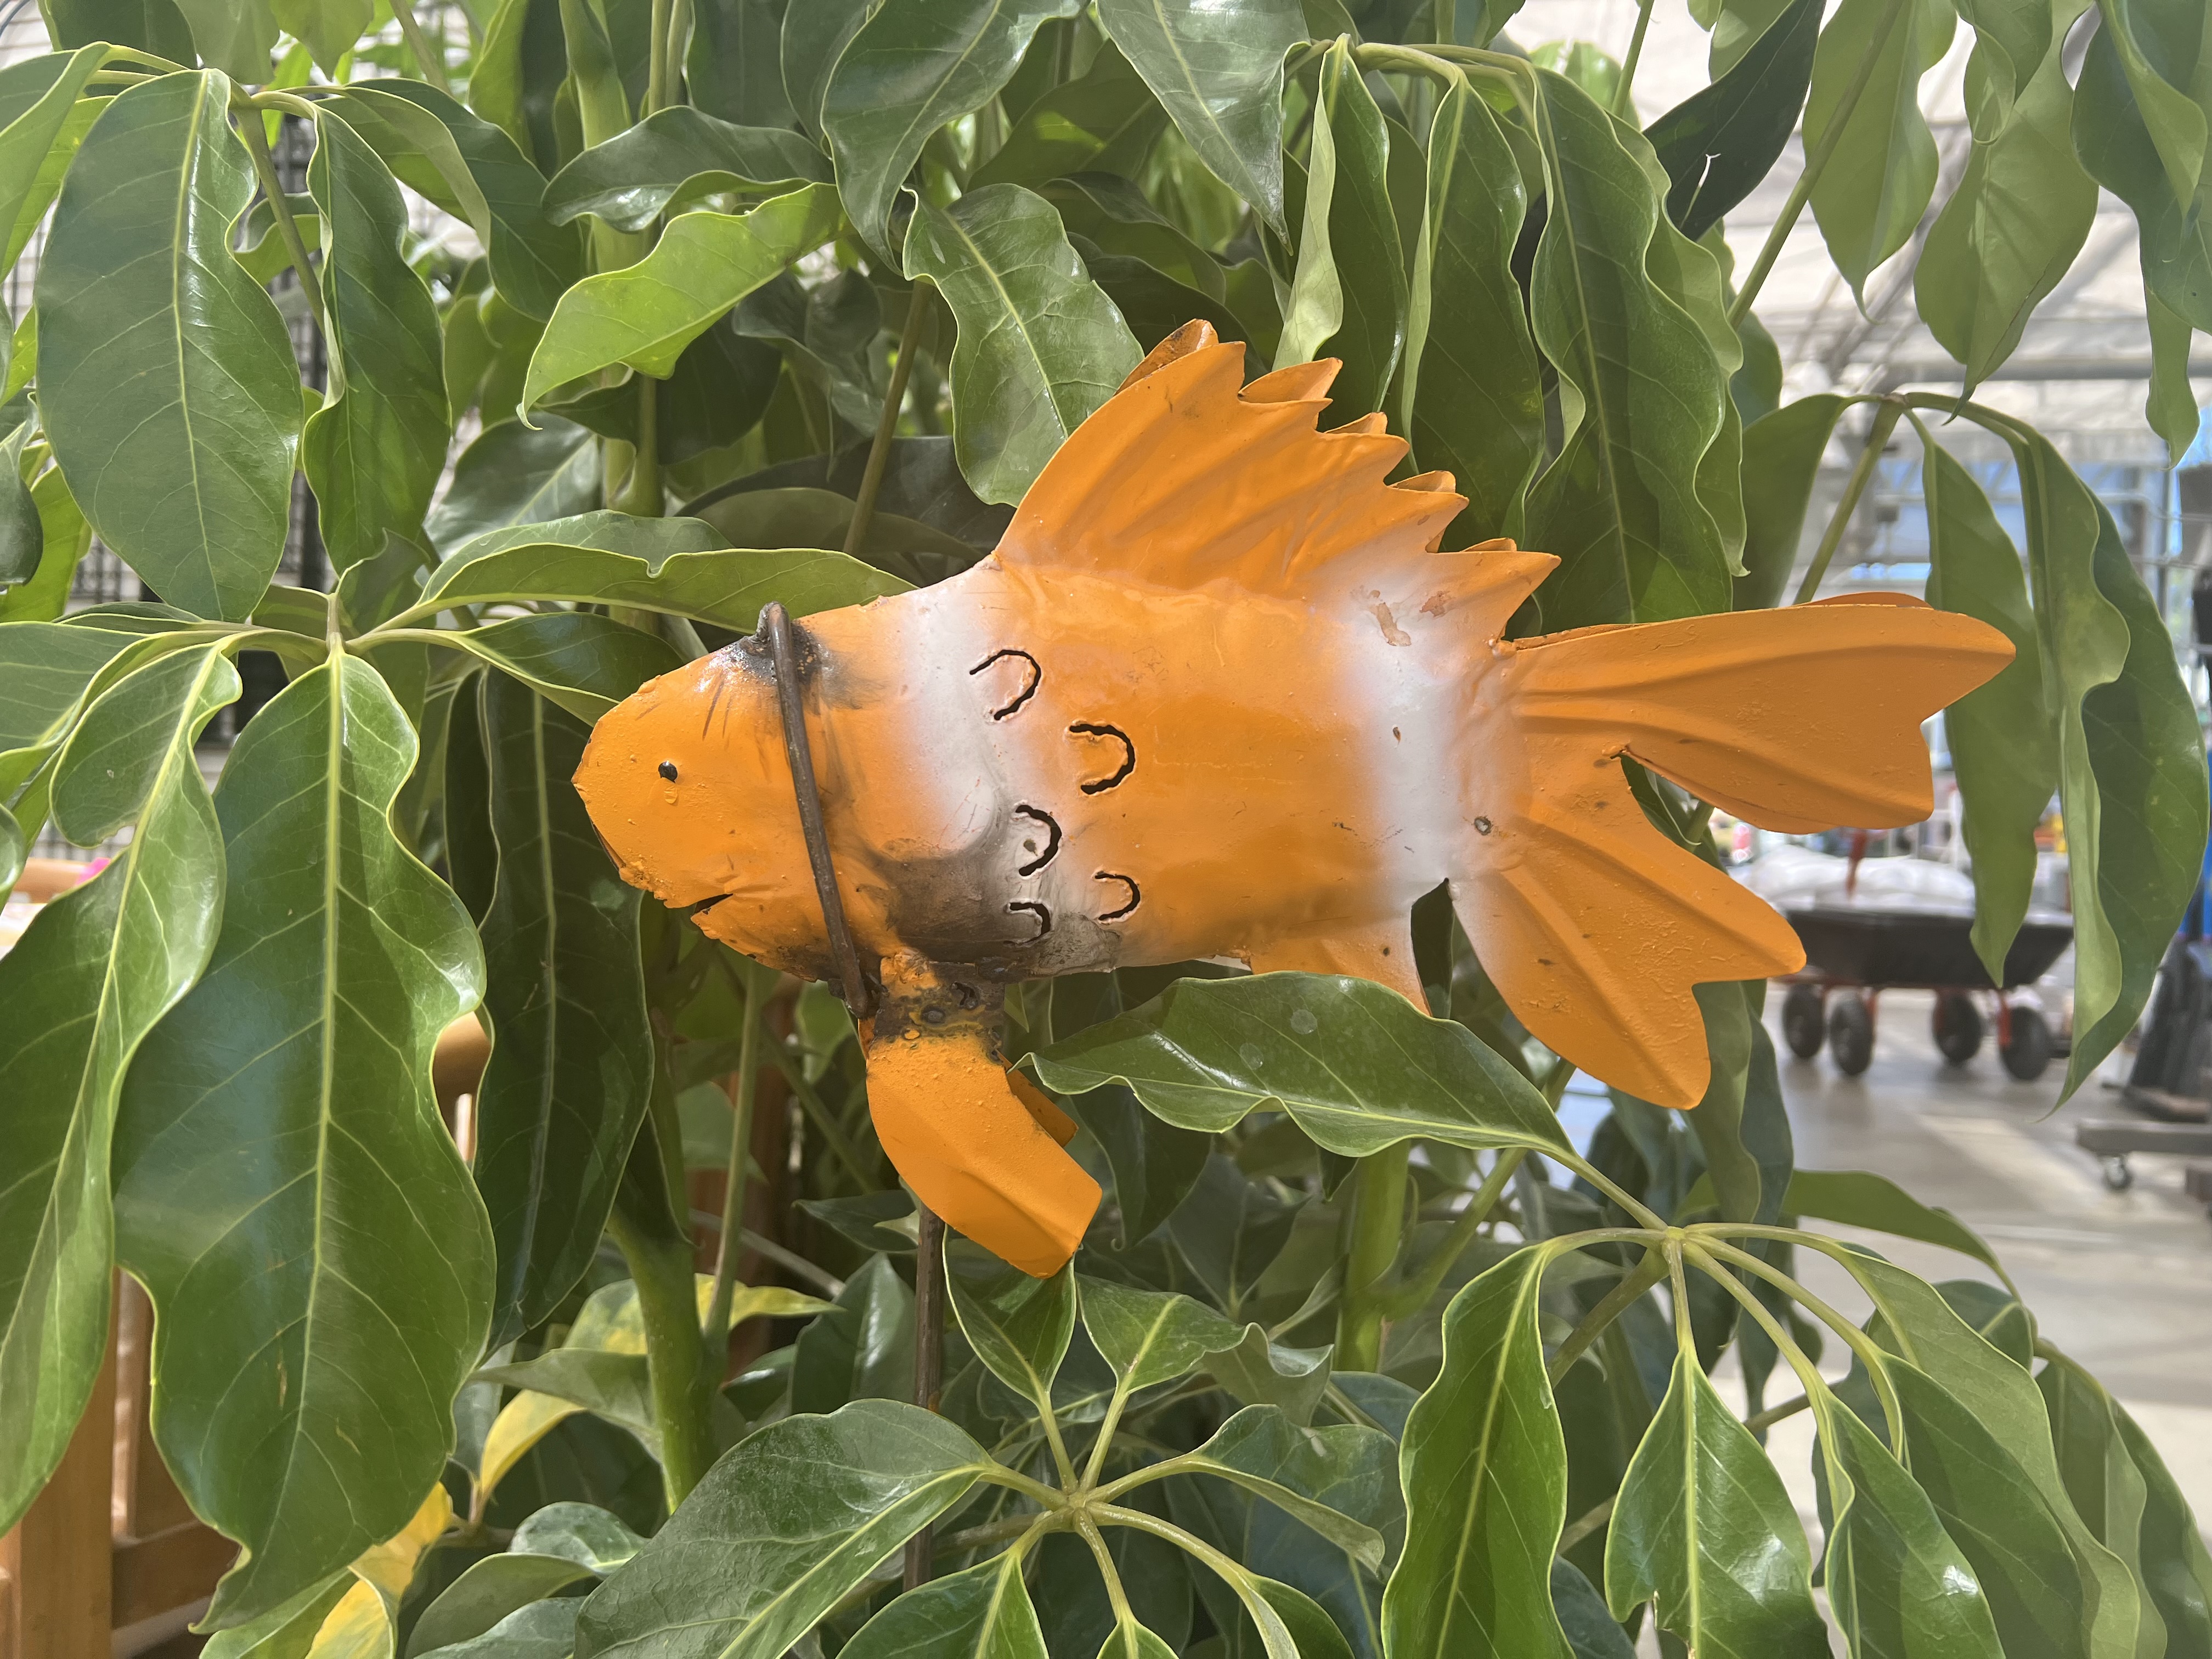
pixel 668 770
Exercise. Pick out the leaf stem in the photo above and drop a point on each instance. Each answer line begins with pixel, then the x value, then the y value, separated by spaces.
pixel 1648 1273
pixel 1877 439
pixel 1410 1297
pixel 1584 1524
pixel 1116 1596
pixel 879 449
pixel 657 49
pixel 642 496
pixel 1773 1415
pixel 928 1354
pixel 1377 1226
pixel 727 1248
pixel 675 1358
pixel 280 208
pixel 1623 108
pixel 1816 163
pixel 1238 1579
pixel 818 1115
pixel 1612 1189
pixel 432 60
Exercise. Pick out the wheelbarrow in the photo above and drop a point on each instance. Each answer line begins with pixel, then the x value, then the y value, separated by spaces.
pixel 1855 952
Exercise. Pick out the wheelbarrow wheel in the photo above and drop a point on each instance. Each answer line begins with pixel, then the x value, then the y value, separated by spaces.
pixel 1958 1026
pixel 1801 1021
pixel 1850 1034
pixel 2026 1048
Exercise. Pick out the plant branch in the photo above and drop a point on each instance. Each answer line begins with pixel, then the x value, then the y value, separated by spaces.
pixel 642 496
pixel 929 1357
pixel 1623 108
pixel 879 449
pixel 1773 1415
pixel 818 1115
pixel 675 1358
pixel 1116 1596
pixel 1877 439
pixel 432 60
pixel 1584 1524
pixel 280 208
pixel 1648 1273
pixel 1612 1189
pixel 1815 164
pixel 1413 1294
pixel 726 1249
pixel 657 63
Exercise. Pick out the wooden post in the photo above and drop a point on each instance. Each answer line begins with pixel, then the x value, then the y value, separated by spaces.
pixel 54 1568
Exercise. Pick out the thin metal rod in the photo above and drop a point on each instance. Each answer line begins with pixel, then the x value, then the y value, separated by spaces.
pixel 791 703
pixel 928 1355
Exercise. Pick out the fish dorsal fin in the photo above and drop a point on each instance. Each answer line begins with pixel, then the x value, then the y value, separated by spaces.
pixel 1186 477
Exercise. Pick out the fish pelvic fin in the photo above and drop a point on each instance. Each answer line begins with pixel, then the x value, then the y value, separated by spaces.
pixel 1188 476
pixel 1594 925
pixel 980 1147
pixel 1382 951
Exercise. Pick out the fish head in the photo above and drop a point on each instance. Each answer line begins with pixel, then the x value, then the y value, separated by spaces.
pixel 689 788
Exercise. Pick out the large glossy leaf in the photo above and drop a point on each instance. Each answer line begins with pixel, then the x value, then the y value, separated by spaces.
pixel 1781 459
pixel 807 51
pixel 1265 1452
pixel 2125 759
pixel 1719 144
pixel 1217 67
pixel 584 662
pixel 532 259
pixel 515 474
pixel 984 1613
pixel 645 314
pixel 731 70
pixel 1883 171
pixel 863 1351
pixel 1040 346
pixel 1152 1336
pixel 1858 1198
pixel 40 126
pixel 166 381
pixel 1702 1525
pixel 779 1531
pixel 374 454
pixel 1364 239
pixel 1018 1326
pixel 233 35
pixel 90 978
pixel 1354 1063
pixel 1230 1229
pixel 2003 742
pixel 2149 39
pixel 2176 1568
pixel 677 152
pixel 913 66
pixel 1472 376
pixel 315 1250
pixel 678 565
pixel 572 1057
pixel 487 1593
pixel 47 669
pixel 538 1630
pixel 1485 1471
pixel 1897 1583
pixel 2019 215
pixel 1104 120
pixel 1640 382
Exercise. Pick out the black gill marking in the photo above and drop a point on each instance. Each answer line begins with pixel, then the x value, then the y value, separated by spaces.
pixel 668 770
pixel 1036 678
pixel 1136 897
pixel 1092 729
pixel 1051 848
pixel 1042 915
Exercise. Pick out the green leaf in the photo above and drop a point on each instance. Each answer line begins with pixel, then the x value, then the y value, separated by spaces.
pixel 484 1594
pixel 2143 36
pixel 2170 405
pixel 982 1613
pixel 330 28
pixel 2003 742
pixel 1471 377
pixel 1702 1525
pixel 585 662
pixel 1267 1453
pixel 572 1057
pixel 1018 1326
pixel 731 70
pixel 1313 311
pixel 316 1252
pixel 285 1631
pixel 234 36
pixel 541 1630
pixel 676 565
pixel 2019 215
pixel 1104 120
pixel 913 66
pixel 48 672
pixel 704 263
pixel 23 532
pixel 615 1386
pixel 1588 1626
pixel 780 1530
pixel 865 1352
pixel 1485 1471
pixel 678 152
pixel 43 126
pixel 1256 1372
pixel 1217 67
pixel 813 38
pixel 2108 1492
pixel 166 380
pixel 1040 347
pixel 88 979
pixel 1855 1198
pixel 1154 1164
pixel 154 25
pixel 1152 1336
pixel 532 259
pixel 1897 1583
pixel 515 474
pixel 1643 388
pixel 1719 144
pixel 1883 171
pixel 1781 459
pixel 1364 234
pixel 64 540
pixel 1131 1640
pixel 374 451
pixel 1353 1062
pixel 12 850
pixel 2177 1572
pixel 583 1533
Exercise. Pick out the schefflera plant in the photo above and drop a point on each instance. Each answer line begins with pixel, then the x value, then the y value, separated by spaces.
pixel 793 301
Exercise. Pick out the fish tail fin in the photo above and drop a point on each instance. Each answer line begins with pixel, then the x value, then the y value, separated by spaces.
pixel 1593 924
pixel 978 1144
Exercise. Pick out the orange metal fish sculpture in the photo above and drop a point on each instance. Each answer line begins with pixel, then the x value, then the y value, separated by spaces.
pixel 1216 693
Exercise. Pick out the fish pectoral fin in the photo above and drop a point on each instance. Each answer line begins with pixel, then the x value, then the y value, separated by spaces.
pixel 980 1145
pixel 1382 951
